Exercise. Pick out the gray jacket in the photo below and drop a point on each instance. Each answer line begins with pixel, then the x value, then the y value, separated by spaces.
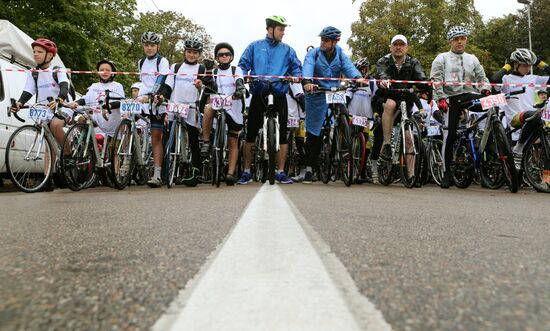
pixel 451 67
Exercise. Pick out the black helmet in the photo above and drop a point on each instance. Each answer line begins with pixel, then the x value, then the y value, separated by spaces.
pixel 193 44
pixel 113 67
pixel 223 45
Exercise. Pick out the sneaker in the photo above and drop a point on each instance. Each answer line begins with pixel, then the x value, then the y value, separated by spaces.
pixel 282 178
pixel 205 149
pixel 374 170
pixel 230 180
pixel 193 180
pixel 300 177
pixel 154 182
pixel 386 152
pixel 308 178
pixel 245 178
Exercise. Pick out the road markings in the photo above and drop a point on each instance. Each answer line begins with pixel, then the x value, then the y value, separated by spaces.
pixel 266 276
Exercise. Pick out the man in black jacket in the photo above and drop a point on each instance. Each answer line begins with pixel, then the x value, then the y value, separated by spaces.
pixel 397 65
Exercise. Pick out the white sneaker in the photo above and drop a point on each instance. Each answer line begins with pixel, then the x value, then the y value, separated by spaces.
pixel 300 177
pixel 154 182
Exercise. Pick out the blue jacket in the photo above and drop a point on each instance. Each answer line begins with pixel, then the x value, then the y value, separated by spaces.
pixel 316 65
pixel 270 58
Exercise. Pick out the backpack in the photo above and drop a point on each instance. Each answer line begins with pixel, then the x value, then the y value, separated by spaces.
pixel 202 69
pixel 71 86
pixel 142 60
pixel 215 74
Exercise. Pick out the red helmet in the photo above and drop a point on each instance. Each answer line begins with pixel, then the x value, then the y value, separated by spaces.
pixel 46 44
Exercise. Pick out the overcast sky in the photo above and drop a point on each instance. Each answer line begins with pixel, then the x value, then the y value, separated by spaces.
pixel 243 20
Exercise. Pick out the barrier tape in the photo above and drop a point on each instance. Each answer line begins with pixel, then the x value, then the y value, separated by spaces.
pixel 393 81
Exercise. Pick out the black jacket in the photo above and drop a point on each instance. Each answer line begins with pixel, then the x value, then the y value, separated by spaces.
pixel 411 70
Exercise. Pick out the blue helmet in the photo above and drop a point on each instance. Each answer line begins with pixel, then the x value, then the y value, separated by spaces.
pixel 330 32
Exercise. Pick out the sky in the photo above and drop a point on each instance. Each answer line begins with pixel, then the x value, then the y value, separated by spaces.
pixel 244 20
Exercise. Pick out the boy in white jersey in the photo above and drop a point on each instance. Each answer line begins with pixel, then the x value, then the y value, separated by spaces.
pixel 97 94
pixel 152 86
pixel 228 81
pixel 185 83
pixel 517 71
pixel 47 85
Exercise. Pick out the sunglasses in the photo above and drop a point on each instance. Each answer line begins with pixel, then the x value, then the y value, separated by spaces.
pixel 228 54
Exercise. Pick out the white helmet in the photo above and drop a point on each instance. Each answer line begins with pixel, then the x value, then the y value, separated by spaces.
pixel 523 56
pixel 457 31
pixel 136 85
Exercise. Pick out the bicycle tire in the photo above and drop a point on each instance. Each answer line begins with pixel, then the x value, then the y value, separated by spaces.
pixel 359 155
pixel 171 155
pixel 534 157
pixel 28 175
pixel 325 158
pixel 271 150
pixel 218 151
pixel 424 166
pixel 345 159
pixel 78 170
pixel 405 159
pixel 435 160
pixel 491 175
pixel 122 155
pixel 462 167
pixel 506 157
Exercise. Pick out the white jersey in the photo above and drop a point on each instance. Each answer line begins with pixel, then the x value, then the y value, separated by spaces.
pixel 226 86
pixel 183 90
pixel 524 101
pixel 96 94
pixel 47 87
pixel 294 109
pixel 428 107
pixel 148 81
pixel 361 101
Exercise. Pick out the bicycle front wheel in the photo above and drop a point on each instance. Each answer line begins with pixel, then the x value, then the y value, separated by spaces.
pixel 29 159
pixel 218 151
pixel 505 156
pixel 345 157
pixel 435 161
pixel 122 155
pixel 271 150
pixel 410 157
pixel 462 167
pixel 359 155
pixel 535 155
pixel 78 167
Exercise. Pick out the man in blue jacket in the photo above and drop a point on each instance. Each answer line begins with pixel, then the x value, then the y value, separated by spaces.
pixel 326 61
pixel 269 57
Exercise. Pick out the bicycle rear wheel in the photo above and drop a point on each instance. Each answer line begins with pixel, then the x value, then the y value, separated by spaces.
pixel 535 155
pixel 122 155
pixel 505 156
pixel 78 168
pixel 29 159
pixel 271 150
pixel 410 157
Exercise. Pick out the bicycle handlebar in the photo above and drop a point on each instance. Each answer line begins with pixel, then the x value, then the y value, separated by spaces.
pixel 15 113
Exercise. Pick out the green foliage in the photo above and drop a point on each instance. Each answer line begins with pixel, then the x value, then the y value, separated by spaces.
pixel 88 31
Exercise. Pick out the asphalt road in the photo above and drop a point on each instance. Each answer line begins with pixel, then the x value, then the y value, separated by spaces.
pixel 429 259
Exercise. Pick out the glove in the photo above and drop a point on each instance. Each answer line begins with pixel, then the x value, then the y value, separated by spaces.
pixel 54 103
pixel 443 105
pixel 385 83
pixel 238 94
pixel 508 65
pixel 486 92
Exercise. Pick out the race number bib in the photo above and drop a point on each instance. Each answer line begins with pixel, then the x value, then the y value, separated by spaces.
pixel 433 130
pixel 219 102
pixel 178 108
pixel 546 114
pixel 335 97
pixel 360 121
pixel 130 107
pixel 39 113
pixel 491 101
pixel 293 122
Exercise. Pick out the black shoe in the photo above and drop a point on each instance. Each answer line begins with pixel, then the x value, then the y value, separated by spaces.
pixel 230 180
pixel 446 181
pixel 193 180
pixel 386 152
pixel 308 178
pixel 49 187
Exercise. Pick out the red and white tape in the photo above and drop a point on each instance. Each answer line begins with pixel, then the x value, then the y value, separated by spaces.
pixel 393 81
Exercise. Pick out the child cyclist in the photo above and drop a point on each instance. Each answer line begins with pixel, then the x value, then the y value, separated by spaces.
pixel 228 81
pixel 184 83
pixel 97 93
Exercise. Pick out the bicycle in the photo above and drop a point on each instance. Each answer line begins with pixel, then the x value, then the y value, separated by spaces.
pixel 336 153
pixel 267 142
pixel 36 145
pixel 295 138
pixel 220 104
pixel 406 145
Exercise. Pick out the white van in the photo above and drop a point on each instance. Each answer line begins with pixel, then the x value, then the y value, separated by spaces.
pixel 15 53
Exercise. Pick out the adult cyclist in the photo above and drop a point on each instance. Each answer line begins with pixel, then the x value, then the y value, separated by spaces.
pixel 326 61
pixel 269 57
pixel 455 66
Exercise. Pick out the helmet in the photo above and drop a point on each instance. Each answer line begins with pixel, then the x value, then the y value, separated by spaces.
pixel 136 85
pixel 523 56
pixel 193 44
pixel 362 62
pixel 223 45
pixel 109 62
pixel 275 20
pixel 150 38
pixel 47 44
pixel 330 32
pixel 457 31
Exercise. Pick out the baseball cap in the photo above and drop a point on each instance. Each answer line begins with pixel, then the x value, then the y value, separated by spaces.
pixel 399 37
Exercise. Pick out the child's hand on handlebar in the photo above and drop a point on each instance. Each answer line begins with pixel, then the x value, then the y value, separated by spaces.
pixel 310 87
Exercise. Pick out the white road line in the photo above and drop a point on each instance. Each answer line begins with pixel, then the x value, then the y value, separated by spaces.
pixel 267 276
